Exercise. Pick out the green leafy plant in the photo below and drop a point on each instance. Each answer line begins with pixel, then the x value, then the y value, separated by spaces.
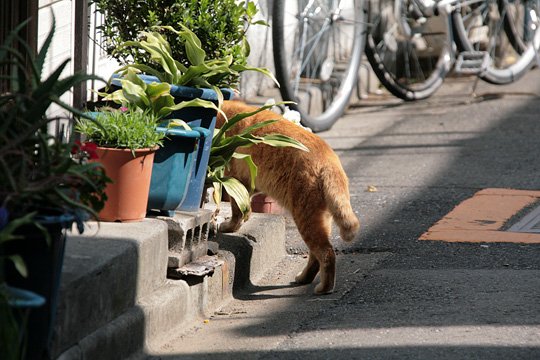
pixel 38 172
pixel 199 71
pixel 224 150
pixel 156 96
pixel 153 97
pixel 125 128
pixel 221 26
pixel 39 175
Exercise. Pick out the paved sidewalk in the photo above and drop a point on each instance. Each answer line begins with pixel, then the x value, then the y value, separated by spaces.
pixel 398 297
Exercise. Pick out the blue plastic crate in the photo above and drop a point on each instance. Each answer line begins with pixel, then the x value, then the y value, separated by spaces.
pixel 195 117
pixel 173 164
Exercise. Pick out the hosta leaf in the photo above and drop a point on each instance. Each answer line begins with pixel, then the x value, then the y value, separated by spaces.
pixel 155 90
pixel 229 146
pixel 144 68
pixel 252 128
pixel 238 117
pixel 268 73
pixel 194 50
pixel 135 94
pixel 279 140
pixel 179 123
pixel 251 166
pixel 131 75
pixel 218 193
pixel 164 101
pixel 191 103
pixel 192 72
pixel 239 193
pixel 117 97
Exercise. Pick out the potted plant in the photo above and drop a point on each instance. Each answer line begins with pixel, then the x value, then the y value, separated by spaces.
pixel 211 44
pixel 44 188
pixel 196 106
pixel 221 26
pixel 125 141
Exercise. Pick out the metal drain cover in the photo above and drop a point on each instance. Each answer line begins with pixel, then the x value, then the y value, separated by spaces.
pixel 530 223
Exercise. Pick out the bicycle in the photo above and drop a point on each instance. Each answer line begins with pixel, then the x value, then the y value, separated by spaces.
pixel 492 41
pixel 408 46
pixel 318 47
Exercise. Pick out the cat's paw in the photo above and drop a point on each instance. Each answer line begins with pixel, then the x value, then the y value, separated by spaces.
pixel 302 279
pixel 321 289
pixel 228 227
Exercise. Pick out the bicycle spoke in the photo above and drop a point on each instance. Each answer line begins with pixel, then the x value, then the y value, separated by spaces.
pixel 318 46
pixel 408 54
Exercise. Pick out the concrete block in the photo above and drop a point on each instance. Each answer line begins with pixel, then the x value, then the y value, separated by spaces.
pixel 179 303
pixel 166 309
pixel 188 236
pixel 220 284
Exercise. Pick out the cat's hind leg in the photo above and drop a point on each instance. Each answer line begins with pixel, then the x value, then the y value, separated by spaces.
pixel 315 228
pixel 309 273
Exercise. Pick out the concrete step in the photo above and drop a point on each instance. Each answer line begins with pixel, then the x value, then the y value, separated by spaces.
pixel 116 301
pixel 106 271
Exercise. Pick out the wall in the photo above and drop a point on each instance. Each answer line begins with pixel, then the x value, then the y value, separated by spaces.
pixel 61 49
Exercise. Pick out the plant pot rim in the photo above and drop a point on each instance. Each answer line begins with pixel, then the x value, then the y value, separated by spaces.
pixel 181 90
pixel 128 150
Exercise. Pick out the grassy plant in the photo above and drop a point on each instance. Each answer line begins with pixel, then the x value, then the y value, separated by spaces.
pixel 131 129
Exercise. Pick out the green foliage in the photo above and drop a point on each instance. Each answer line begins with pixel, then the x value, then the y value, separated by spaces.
pixel 9 329
pixel 200 71
pixel 131 129
pixel 37 170
pixel 224 150
pixel 220 25
pixel 154 97
pixel 38 174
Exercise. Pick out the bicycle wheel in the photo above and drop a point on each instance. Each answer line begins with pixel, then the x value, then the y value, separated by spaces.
pixel 410 54
pixel 318 46
pixel 508 31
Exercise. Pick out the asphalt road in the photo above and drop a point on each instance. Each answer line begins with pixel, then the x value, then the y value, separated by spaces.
pixel 397 297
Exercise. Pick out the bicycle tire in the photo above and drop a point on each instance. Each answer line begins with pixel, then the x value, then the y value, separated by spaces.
pixel 324 71
pixel 410 58
pixel 517 25
pixel 495 26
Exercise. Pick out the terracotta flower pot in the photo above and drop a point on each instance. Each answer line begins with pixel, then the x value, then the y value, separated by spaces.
pixel 127 195
pixel 262 203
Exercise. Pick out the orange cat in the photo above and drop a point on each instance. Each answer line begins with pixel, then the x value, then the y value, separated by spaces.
pixel 311 185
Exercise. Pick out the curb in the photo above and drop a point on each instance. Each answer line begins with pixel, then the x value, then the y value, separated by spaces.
pixel 116 302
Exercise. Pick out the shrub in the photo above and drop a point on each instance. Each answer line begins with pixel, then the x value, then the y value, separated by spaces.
pixel 221 26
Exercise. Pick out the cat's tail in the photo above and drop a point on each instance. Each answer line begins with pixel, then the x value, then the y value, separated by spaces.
pixel 336 193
